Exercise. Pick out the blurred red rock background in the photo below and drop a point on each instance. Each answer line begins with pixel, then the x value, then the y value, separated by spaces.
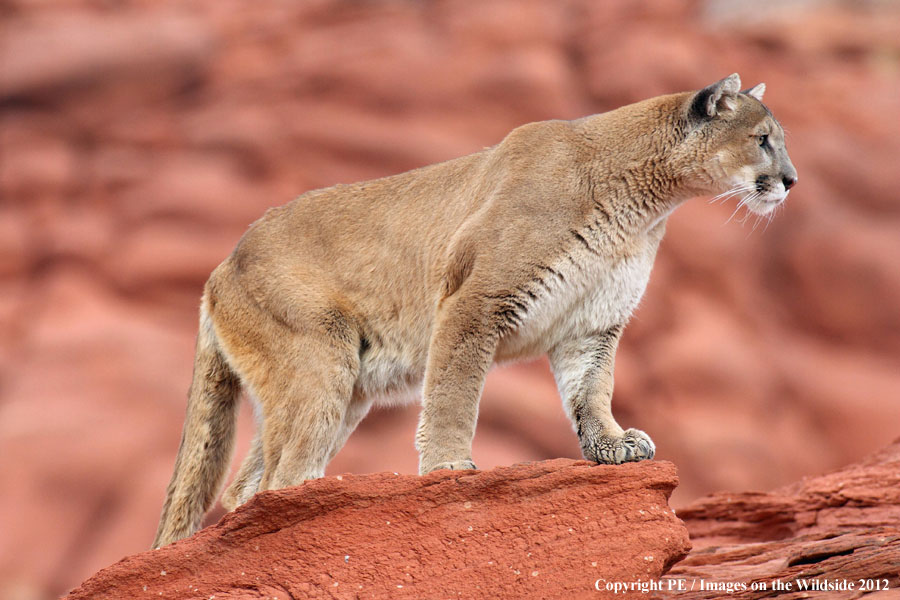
pixel 139 139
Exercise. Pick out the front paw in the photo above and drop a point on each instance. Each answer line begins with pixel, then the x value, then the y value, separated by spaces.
pixel 455 465
pixel 632 446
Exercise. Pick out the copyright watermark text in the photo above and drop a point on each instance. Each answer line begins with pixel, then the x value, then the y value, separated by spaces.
pixel 730 587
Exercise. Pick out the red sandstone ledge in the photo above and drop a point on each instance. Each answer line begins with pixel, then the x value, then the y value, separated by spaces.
pixel 539 530
pixel 839 533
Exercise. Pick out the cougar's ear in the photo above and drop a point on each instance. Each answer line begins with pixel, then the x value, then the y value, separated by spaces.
pixel 718 97
pixel 756 91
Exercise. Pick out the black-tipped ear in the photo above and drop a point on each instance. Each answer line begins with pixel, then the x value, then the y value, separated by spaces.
pixel 756 91
pixel 709 101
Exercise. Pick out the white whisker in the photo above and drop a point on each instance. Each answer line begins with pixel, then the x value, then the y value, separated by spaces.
pixel 732 192
pixel 759 218
pixel 771 216
pixel 751 198
pixel 740 204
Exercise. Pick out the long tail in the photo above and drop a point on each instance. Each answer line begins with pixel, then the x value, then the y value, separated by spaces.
pixel 207 441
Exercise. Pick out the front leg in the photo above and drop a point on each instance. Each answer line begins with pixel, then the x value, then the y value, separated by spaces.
pixel 459 356
pixel 583 368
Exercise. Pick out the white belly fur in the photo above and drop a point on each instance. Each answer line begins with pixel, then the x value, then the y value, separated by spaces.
pixel 595 296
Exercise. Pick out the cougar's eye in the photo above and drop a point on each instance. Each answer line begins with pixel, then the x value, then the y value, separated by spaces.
pixel 762 139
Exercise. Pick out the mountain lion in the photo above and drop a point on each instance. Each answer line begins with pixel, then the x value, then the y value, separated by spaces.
pixel 422 280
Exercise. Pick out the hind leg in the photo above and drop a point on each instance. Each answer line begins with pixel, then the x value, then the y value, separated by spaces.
pixel 301 366
pixel 356 412
pixel 304 402
pixel 246 482
pixel 301 429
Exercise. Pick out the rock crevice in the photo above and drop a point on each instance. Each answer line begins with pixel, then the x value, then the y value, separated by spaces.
pixel 842 526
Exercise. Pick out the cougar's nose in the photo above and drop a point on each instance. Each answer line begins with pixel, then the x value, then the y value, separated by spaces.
pixel 789 181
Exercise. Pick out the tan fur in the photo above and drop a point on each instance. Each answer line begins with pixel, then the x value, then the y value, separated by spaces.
pixel 359 293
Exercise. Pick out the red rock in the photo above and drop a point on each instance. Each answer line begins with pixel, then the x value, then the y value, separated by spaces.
pixel 35 166
pixel 840 527
pixel 842 249
pixel 62 49
pixel 549 529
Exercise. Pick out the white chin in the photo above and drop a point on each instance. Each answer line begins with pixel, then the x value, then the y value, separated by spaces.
pixel 766 204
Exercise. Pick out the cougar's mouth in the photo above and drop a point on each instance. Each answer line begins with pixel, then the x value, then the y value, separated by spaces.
pixel 760 196
pixel 766 195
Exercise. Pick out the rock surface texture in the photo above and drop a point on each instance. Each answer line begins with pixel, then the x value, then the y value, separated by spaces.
pixel 550 529
pixel 839 527
pixel 535 530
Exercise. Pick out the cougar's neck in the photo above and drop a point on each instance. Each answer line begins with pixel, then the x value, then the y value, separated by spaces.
pixel 634 177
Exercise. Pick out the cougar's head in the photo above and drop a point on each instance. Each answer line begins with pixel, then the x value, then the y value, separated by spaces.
pixel 737 146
